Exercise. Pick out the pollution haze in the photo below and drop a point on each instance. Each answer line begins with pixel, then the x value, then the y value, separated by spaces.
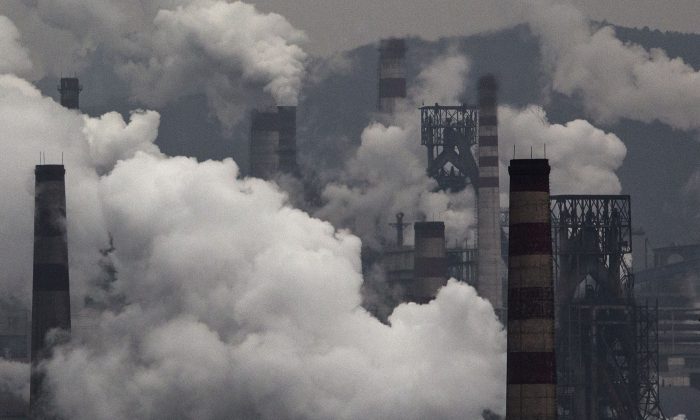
pixel 201 292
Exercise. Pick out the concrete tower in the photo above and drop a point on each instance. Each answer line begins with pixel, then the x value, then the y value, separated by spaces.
pixel 429 262
pixel 392 74
pixel 50 287
pixel 273 137
pixel 70 88
pixel 490 262
pixel 531 389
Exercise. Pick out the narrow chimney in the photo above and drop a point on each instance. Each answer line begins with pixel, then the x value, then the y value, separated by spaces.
pixel 429 262
pixel 531 384
pixel 264 144
pixel 490 263
pixel 287 126
pixel 50 286
pixel 392 74
pixel 70 89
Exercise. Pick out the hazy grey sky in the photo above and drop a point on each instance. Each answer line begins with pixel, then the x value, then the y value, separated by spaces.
pixel 341 24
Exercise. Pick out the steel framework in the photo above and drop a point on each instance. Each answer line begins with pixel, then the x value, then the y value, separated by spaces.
pixel 607 346
pixel 450 134
pixel 462 264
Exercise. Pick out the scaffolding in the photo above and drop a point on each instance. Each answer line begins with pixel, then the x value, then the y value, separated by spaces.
pixel 450 135
pixel 607 345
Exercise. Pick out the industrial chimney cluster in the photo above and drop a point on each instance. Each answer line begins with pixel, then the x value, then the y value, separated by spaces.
pixel 577 354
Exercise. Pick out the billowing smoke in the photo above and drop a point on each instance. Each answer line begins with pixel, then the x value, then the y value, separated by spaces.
pixel 15 59
pixel 14 380
pixel 166 50
pixel 236 305
pixel 388 175
pixel 614 79
pixel 583 158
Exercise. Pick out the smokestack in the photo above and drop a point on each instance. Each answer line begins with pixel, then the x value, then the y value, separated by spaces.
pixel 273 142
pixel 531 392
pixel 429 262
pixel 490 279
pixel 70 88
pixel 50 287
pixel 264 144
pixel 287 126
pixel 392 74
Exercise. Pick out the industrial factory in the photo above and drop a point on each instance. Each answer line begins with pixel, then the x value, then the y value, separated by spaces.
pixel 591 334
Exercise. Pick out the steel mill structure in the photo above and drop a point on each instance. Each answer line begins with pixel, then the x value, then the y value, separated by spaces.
pixel 456 138
pixel 673 282
pixel 607 350
pixel 50 286
pixel 450 133
pixel 391 74
pixel 273 142
pixel 531 378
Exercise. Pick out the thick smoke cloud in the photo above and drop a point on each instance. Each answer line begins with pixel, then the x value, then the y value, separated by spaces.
pixel 235 304
pixel 583 158
pixel 166 50
pixel 15 59
pixel 14 379
pixel 614 79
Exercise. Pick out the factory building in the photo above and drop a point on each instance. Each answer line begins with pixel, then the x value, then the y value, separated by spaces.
pixel 273 142
pixel 673 282
pixel 51 315
pixel 531 378
pixel 391 74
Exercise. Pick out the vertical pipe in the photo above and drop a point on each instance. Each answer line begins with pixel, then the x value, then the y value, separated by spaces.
pixel 287 126
pixel 490 281
pixel 531 384
pixel 264 144
pixel 70 88
pixel 50 287
pixel 392 74
pixel 429 262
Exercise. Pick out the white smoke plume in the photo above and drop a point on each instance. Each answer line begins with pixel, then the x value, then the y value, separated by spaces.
pixel 236 304
pixel 14 379
pixel 166 50
pixel 614 79
pixel 583 158
pixel 13 57
pixel 387 175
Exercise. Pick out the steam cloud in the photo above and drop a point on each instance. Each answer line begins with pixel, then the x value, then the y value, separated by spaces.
pixel 236 304
pixel 614 79
pixel 166 50
pixel 583 158
pixel 15 59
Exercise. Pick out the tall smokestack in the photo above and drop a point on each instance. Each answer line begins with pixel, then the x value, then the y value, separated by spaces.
pixel 50 287
pixel 273 142
pixel 392 74
pixel 287 126
pixel 264 144
pixel 490 279
pixel 531 392
pixel 429 262
pixel 70 88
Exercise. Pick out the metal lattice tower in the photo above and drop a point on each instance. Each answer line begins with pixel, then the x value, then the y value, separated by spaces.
pixel 450 135
pixel 607 345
